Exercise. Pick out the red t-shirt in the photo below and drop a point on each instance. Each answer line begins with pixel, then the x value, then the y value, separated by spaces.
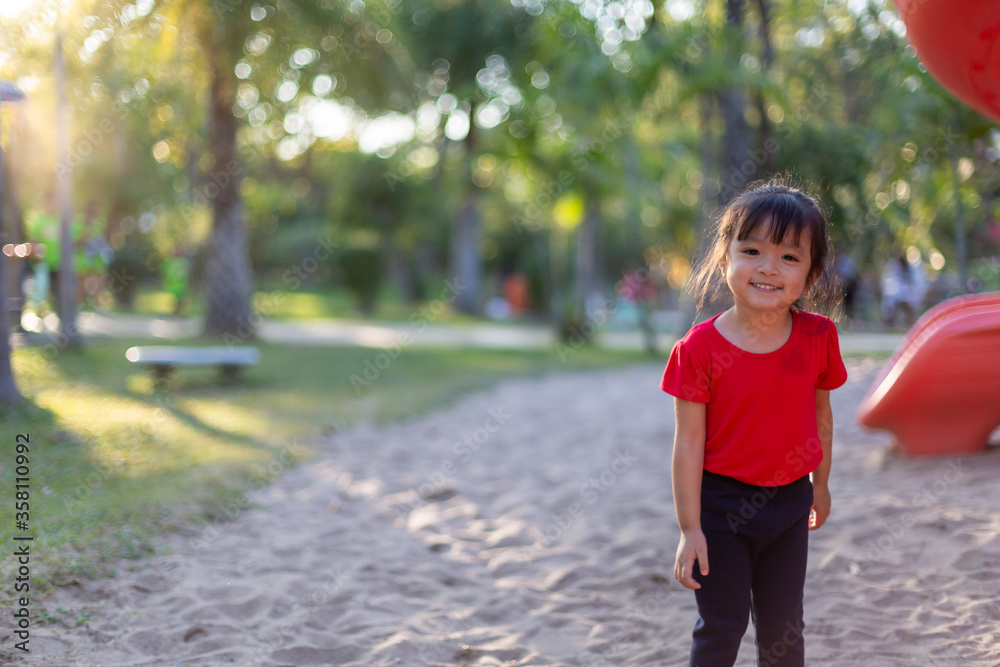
pixel 761 408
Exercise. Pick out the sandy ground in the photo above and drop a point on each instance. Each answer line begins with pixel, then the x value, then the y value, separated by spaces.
pixel 533 525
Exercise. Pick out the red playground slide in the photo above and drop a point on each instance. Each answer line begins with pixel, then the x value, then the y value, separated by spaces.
pixel 940 392
pixel 958 40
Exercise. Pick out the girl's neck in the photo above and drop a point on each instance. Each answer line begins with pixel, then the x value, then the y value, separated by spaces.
pixel 756 331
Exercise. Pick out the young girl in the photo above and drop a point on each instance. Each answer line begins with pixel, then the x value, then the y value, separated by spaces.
pixel 751 391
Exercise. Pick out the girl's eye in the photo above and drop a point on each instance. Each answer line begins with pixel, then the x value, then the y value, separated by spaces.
pixel 792 258
pixel 750 251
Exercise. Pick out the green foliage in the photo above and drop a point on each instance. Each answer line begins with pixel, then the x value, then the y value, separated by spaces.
pixel 361 271
pixel 128 270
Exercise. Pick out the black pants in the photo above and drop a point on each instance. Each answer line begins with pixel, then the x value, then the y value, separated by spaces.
pixel 758 539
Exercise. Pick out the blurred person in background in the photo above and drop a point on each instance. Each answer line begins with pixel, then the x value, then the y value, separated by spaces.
pixel 904 286
pixel 848 275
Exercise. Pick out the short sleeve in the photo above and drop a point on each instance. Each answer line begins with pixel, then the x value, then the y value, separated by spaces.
pixel 684 377
pixel 832 373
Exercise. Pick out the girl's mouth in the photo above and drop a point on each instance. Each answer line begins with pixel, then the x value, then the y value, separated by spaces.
pixel 766 288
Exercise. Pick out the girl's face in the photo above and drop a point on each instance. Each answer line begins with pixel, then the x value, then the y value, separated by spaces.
pixel 764 276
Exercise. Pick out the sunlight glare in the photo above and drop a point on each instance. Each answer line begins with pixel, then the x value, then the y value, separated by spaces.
pixel 14 8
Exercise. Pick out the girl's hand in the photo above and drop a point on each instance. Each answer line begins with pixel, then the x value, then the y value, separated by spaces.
pixel 692 547
pixel 820 507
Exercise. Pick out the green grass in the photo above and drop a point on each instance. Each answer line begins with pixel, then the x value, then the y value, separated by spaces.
pixel 114 462
pixel 308 302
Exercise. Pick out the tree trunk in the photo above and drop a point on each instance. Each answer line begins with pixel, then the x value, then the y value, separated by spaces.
pixel 15 234
pixel 229 278
pixel 633 190
pixel 397 263
pixel 688 310
pixel 767 61
pixel 69 335
pixel 9 395
pixel 15 223
pixel 961 247
pixel 732 105
pixel 587 251
pixel 466 262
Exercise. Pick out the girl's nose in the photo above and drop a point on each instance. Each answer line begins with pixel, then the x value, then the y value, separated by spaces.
pixel 767 266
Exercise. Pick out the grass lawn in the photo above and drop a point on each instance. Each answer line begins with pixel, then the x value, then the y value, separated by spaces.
pixel 114 462
pixel 310 301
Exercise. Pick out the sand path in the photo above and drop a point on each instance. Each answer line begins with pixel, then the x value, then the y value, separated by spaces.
pixel 533 525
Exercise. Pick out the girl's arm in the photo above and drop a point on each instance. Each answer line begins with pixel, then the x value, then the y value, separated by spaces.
pixel 686 468
pixel 821 476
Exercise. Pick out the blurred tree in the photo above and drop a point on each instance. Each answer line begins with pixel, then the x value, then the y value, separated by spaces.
pixel 66 288
pixel 572 135
pixel 732 97
pixel 221 31
pixel 469 114
pixel 390 205
pixel 361 271
pixel 9 394
pixel 468 65
pixel 900 162
pixel 192 104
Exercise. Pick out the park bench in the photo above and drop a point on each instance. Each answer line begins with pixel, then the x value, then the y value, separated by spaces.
pixel 164 359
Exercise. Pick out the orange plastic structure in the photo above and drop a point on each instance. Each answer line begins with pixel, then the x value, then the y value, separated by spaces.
pixel 958 40
pixel 940 391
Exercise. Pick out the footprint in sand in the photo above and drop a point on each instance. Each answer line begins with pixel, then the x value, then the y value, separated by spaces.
pixel 978 559
pixel 246 610
pixel 152 642
pixel 301 656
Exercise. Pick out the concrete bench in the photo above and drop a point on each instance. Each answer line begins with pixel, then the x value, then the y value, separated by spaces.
pixel 164 359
